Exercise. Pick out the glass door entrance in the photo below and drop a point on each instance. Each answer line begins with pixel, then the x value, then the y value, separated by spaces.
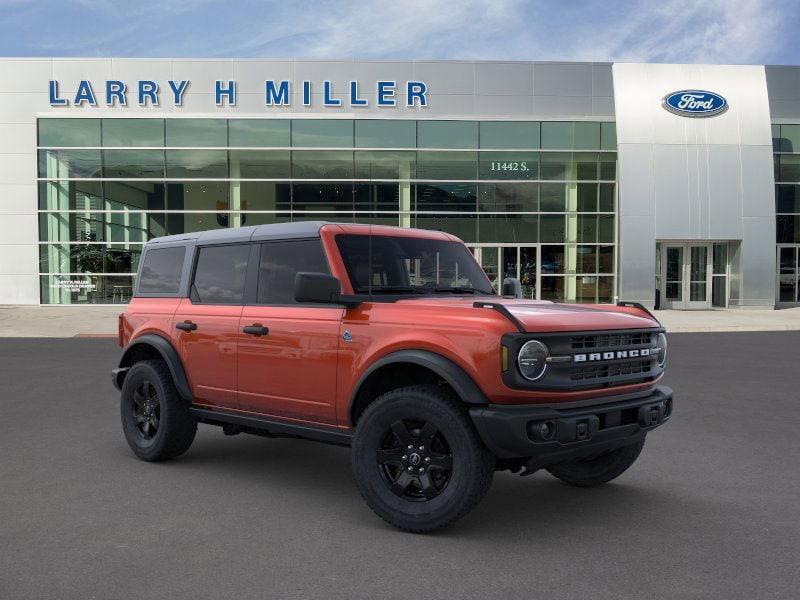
pixel 516 261
pixel 686 275
pixel 788 274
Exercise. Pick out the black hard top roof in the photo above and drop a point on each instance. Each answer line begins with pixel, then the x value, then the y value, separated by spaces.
pixel 275 231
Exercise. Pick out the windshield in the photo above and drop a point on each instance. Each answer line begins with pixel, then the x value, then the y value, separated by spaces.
pixel 406 265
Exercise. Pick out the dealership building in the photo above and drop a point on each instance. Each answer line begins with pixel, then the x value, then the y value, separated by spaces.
pixel 677 186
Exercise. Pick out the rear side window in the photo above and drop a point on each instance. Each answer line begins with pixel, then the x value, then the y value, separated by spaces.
pixel 280 262
pixel 161 270
pixel 220 274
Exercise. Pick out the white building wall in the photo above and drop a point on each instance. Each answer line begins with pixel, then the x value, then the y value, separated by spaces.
pixel 695 178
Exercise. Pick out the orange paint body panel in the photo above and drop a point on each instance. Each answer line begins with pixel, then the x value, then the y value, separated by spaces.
pixel 308 366
pixel 291 371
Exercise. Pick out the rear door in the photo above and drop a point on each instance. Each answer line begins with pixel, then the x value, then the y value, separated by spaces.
pixel 288 352
pixel 206 324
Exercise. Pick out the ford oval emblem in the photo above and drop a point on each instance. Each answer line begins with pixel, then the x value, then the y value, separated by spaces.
pixel 695 103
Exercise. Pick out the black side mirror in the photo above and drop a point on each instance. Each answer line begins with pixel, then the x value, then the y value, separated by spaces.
pixel 512 287
pixel 316 288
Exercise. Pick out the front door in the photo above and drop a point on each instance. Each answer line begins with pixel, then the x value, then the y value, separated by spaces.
pixel 288 352
pixel 686 275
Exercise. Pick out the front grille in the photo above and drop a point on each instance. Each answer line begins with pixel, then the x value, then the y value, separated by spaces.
pixel 610 340
pixel 639 367
pixel 589 359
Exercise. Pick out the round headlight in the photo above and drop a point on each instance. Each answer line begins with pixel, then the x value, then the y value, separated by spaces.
pixel 532 360
pixel 662 349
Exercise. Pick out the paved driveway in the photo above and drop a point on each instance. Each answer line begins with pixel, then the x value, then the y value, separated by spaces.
pixel 710 510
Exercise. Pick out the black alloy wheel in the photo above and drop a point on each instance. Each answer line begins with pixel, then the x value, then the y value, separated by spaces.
pixel 415 460
pixel 147 409
pixel 156 421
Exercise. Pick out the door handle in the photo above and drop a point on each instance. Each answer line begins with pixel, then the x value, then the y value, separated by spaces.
pixel 186 326
pixel 255 329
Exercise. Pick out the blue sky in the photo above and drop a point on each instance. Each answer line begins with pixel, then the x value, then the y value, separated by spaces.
pixel 710 31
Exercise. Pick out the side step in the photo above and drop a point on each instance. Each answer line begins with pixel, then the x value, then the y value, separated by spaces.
pixel 272 427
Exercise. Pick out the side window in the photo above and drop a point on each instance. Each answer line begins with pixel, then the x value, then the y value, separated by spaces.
pixel 280 262
pixel 220 274
pixel 161 270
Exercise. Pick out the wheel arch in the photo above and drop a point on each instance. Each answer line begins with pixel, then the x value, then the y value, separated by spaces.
pixel 418 363
pixel 150 346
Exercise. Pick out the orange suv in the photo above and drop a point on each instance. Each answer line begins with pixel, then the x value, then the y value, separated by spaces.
pixel 391 341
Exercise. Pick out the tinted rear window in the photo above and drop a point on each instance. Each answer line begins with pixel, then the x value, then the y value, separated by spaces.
pixel 161 270
pixel 220 274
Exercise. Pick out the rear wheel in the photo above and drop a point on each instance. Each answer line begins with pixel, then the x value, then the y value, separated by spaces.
pixel 589 472
pixel 417 459
pixel 155 419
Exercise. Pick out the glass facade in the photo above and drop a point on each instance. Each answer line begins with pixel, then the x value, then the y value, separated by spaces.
pixel 534 200
pixel 786 148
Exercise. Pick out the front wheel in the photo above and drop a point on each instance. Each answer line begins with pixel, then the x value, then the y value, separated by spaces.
pixel 417 459
pixel 589 472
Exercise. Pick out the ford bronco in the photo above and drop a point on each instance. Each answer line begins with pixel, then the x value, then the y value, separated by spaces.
pixel 391 341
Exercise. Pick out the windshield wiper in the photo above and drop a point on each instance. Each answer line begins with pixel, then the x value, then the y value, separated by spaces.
pixel 458 290
pixel 390 289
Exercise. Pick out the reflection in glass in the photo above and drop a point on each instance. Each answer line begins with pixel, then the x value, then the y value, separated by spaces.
pixel 509 134
pixel 64 164
pixel 260 164
pixel 133 132
pixel 132 164
pixel 89 258
pixel 463 227
pixel 384 133
pixel 65 133
pixel 385 165
pixel 447 165
pixel 508 228
pixel 508 197
pixel 553 259
pixel 527 272
pixel 212 164
pixel 322 133
pixel 198 133
pixel 447 134
pixel 454 197
pixel 322 164
pixel 258 133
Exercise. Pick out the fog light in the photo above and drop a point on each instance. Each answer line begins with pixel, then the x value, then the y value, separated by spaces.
pixel 544 430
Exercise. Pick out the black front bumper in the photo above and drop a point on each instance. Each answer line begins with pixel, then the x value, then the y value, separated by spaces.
pixel 547 434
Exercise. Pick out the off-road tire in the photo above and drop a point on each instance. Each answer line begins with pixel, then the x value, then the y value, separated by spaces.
pixel 176 426
pixel 599 470
pixel 472 465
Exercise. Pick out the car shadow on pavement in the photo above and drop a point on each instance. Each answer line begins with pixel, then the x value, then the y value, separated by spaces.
pixel 538 505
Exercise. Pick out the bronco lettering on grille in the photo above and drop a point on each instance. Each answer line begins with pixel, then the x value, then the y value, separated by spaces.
pixel 596 356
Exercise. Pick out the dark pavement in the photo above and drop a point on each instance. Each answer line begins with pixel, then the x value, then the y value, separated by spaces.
pixel 710 510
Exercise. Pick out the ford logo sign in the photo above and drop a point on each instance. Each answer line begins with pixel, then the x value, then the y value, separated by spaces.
pixel 695 103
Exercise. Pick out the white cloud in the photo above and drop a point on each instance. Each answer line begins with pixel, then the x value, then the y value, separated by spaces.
pixel 712 31
pixel 735 31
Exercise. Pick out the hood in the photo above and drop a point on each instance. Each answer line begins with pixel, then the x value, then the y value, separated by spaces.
pixel 544 316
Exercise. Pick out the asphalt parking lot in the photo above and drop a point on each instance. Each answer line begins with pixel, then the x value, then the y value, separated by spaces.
pixel 710 510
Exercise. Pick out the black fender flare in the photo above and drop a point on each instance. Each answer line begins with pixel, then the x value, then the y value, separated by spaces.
pixel 167 352
pixel 463 385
